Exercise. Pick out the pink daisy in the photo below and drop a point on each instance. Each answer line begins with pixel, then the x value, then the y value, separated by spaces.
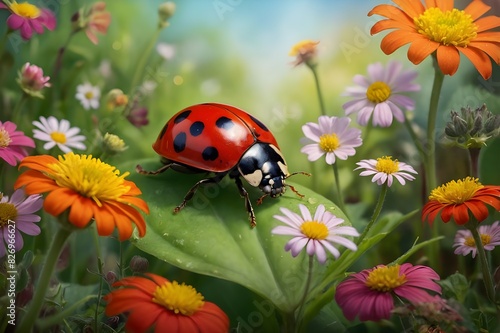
pixel 490 237
pixel 16 215
pixel 385 169
pixel 370 293
pixel 28 18
pixel 331 136
pixel 315 234
pixel 379 94
pixel 13 143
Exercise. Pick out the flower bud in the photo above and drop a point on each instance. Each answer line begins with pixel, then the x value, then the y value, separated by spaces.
pixel 112 144
pixel 165 11
pixel 111 277
pixel 32 81
pixel 116 98
pixel 139 264
pixel 138 116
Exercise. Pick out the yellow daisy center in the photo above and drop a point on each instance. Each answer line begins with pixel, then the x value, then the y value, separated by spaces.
pixel 314 230
pixel 378 92
pixel 485 239
pixel 179 298
pixel 5 139
pixel 89 95
pixel 453 27
pixel 385 279
pixel 25 10
pixel 89 177
pixel 58 137
pixel 456 192
pixel 7 212
pixel 385 164
pixel 329 142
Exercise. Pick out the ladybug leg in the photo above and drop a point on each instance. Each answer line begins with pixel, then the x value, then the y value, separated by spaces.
pixel 192 190
pixel 140 170
pixel 248 204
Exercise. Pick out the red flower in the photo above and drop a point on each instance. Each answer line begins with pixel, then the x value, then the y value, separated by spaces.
pixel 456 198
pixel 154 301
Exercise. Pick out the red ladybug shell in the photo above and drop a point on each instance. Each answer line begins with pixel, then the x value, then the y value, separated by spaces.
pixel 210 136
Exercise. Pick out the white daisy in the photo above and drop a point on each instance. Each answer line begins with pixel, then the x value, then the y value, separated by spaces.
pixel 315 234
pixel 385 169
pixel 58 133
pixel 330 136
pixel 88 95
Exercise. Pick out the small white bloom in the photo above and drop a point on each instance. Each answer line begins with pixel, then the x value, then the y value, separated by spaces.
pixel 385 169
pixel 58 133
pixel 166 51
pixel 88 95
pixel 315 234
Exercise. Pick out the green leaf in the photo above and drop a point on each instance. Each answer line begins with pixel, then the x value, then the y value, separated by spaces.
pixel 212 234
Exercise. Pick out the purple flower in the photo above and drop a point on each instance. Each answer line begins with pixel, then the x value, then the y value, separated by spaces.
pixel 490 237
pixel 330 136
pixel 370 293
pixel 138 116
pixel 384 169
pixel 13 143
pixel 16 216
pixel 379 94
pixel 28 18
pixel 315 234
pixel 32 81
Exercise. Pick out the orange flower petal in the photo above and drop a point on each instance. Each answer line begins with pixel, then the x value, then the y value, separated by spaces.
pixel 430 3
pixel 488 36
pixel 491 49
pixel 137 202
pixel 134 190
pixel 420 49
pixel 38 162
pixel 104 219
pixel 145 285
pixel 119 300
pixel 487 23
pixel 411 7
pixel 211 319
pixel 476 9
pixel 445 5
pixel 158 279
pixel 394 40
pixel 172 322
pixel 460 214
pixel 447 213
pixel 130 214
pixel 480 60
pixel 58 200
pixel 142 318
pixel 35 182
pixel 391 12
pixel 389 24
pixel 448 59
pixel 478 209
pixel 80 213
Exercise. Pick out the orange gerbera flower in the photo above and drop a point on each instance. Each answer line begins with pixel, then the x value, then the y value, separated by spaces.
pixel 456 198
pixel 89 188
pixel 168 306
pixel 439 27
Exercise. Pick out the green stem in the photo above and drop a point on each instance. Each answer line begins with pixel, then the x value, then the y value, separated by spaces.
pixel 318 89
pixel 46 323
pixel 304 296
pixel 101 278
pixel 60 53
pixel 376 213
pixel 141 64
pixel 488 281
pixel 415 139
pixel 16 118
pixel 340 197
pixel 474 161
pixel 34 307
pixel 431 128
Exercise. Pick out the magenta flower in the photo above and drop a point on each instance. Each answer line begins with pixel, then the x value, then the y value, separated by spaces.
pixel 385 169
pixel 16 216
pixel 331 136
pixel 490 237
pixel 32 81
pixel 138 116
pixel 13 143
pixel 28 18
pixel 370 293
pixel 380 94
pixel 315 234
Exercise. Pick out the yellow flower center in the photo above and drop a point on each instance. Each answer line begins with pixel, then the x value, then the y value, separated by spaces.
pixel 378 92
pixel 305 46
pixel 58 137
pixel 5 139
pixel 329 142
pixel 485 239
pixel 8 212
pixel 25 10
pixel 456 192
pixel 453 27
pixel 179 298
pixel 385 164
pixel 89 95
pixel 89 177
pixel 314 230
pixel 385 278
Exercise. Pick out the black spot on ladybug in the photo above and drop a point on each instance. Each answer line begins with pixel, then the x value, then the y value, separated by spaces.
pixel 196 128
pixel 180 142
pixel 261 125
pixel 210 153
pixel 164 130
pixel 224 123
pixel 182 116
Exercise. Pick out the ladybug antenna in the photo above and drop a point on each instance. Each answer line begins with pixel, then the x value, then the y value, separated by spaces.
pixel 293 188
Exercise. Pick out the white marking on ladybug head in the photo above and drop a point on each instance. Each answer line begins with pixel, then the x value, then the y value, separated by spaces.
pixel 266 167
pixel 254 178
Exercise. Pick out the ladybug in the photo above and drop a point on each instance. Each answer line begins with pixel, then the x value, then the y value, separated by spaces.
pixel 222 140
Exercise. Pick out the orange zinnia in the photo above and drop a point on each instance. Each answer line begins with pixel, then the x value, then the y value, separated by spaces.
pixel 89 188
pixel 456 198
pixel 438 27
pixel 168 306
